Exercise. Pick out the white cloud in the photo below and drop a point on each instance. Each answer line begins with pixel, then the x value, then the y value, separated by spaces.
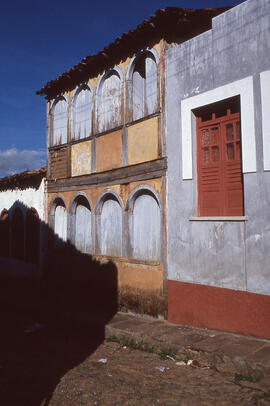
pixel 14 161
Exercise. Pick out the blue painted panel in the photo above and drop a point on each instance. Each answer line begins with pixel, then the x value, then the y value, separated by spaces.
pixel 109 109
pixel 82 110
pixel 60 123
pixel 146 228
pixel 111 228
pixel 60 222
pixel 138 95
pixel 83 234
pixel 150 86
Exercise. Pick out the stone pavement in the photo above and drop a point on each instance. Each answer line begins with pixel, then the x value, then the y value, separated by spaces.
pixel 225 352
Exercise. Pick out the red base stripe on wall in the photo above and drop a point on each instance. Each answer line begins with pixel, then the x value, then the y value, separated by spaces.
pixel 219 309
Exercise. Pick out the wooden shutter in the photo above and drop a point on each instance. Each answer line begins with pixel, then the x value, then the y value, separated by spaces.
pixel 220 186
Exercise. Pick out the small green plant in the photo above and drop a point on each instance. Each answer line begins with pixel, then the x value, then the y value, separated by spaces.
pixel 166 353
pixel 131 343
pixel 247 378
pixel 113 339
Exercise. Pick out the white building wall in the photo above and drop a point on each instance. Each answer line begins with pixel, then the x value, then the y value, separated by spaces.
pixel 29 197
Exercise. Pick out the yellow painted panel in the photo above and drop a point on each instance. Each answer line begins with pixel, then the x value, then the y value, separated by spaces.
pixel 143 141
pixel 81 158
pixel 109 151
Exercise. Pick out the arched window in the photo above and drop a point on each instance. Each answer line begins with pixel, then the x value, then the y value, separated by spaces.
pixel 110 233
pixel 59 122
pixel 81 224
pixel 32 236
pixel 82 113
pixel 144 86
pixel 17 234
pixel 145 225
pixel 60 220
pixel 4 233
pixel 109 102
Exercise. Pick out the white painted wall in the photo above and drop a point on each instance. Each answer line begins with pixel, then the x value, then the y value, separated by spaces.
pixel 28 197
pixel 244 88
pixel 265 90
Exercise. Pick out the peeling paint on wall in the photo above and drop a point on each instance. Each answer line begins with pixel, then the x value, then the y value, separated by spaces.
pixel 81 158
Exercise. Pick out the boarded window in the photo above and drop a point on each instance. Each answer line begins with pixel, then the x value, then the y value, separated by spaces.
pixel 144 87
pixel 32 236
pixel 83 226
pixel 59 122
pixel 60 223
pixel 17 234
pixel 4 233
pixel 220 184
pixel 146 228
pixel 111 228
pixel 81 114
pixel 109 103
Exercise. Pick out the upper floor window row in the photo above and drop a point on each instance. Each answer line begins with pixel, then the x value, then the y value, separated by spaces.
pixel 142 93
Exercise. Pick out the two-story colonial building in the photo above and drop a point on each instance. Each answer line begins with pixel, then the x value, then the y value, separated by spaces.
pixel 106 142
pixel 158 158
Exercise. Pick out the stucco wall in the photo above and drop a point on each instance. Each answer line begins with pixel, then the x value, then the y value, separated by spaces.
pixel 230 254
pixel 29 197
pixel 116 231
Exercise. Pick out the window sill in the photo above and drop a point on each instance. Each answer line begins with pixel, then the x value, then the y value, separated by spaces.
pixel 144 118
pixel 216 218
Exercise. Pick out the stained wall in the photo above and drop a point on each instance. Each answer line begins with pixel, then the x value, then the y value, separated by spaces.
pixel 230 253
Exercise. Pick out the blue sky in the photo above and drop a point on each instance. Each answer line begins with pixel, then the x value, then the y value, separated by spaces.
pixel 39 40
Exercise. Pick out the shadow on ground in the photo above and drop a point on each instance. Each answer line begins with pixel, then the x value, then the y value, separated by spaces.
pixel 50 325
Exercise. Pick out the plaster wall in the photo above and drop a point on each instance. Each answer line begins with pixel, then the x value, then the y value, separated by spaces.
pixel 227 253
pixel 81 158
pixel 112 231
pixel 109 151
pixel 29 197
pixel 143 141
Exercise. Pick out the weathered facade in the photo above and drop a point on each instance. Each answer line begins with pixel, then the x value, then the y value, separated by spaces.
pixel 158 160
pixel 107 164
pixel 218 116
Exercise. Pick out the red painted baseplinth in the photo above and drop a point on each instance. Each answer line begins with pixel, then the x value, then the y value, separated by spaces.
pixel 219 309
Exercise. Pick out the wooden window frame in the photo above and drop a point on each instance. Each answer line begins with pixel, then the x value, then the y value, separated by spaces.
pixel 219 174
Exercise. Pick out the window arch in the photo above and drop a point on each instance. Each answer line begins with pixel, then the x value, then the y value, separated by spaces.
pixel 32 236
pixel 17 234
pixel 82 113
pixel 145 223
pixel 109 210
pixel 4 233
pixel 59 120
pixel 109 101
pixel 81 223
pixel 144 85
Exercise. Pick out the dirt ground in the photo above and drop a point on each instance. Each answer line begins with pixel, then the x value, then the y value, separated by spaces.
pixel 131 377
pixel 68 366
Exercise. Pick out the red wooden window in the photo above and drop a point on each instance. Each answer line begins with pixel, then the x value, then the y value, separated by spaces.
pixel 220 186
